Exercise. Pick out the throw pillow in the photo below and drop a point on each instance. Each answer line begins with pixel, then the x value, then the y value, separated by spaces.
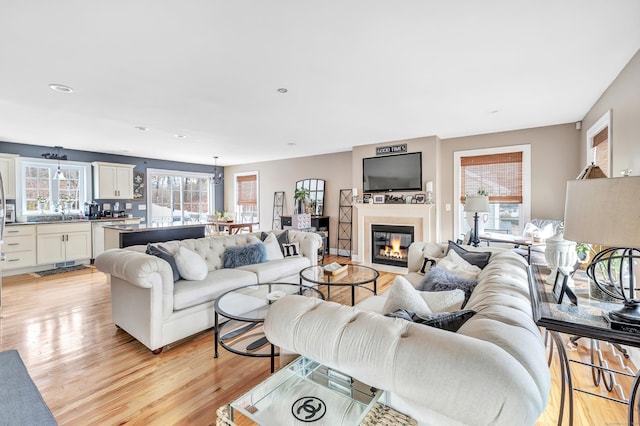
pixel 272 247
pixel 452 262
pixel 283 237
pixel 444 301
pixel 480 259
pixel 290 250
pixel 445 320
pixel 438 279
pixel 250 254
pixel 402 295
pixel 450 321
pixel 427 264
pixel 190 265
pixel 164 254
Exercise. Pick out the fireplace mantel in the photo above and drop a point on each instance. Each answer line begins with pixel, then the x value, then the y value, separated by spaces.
pixel 420 216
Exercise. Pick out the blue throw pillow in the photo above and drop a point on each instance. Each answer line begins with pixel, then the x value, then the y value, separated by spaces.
pixel 246 255
pixel 439 279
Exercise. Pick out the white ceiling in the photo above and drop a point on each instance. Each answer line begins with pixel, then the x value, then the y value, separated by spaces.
pixel 357 72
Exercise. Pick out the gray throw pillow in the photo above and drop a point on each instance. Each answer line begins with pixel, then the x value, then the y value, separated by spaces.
pixel 438 279
pixel 450 321
pixel 164 254
pixel 283 238
pixel 480 259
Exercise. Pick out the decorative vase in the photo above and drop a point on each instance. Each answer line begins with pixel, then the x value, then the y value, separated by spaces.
pixel 41 207
pixel 559 253
pixel 300 207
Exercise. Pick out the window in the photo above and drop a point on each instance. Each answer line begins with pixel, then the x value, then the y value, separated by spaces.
pixel 599 144
pixel 40 193
pixel 504 173
pixel 179 196
pixel 247 197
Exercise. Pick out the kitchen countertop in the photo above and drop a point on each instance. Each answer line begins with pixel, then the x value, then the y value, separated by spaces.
pixel 75 220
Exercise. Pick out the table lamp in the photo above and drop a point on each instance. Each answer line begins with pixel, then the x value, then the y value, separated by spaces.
pixel 476 204
pixel 606 211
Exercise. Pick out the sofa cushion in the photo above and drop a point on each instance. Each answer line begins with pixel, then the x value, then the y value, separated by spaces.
pixel 276 270
pixel 479 259
pixel 455 264
pixel 272 247
pixel 165 255
pixel 283 237
pixel 192 293
pixel 245 255
pixel 190 265
pixel 291 249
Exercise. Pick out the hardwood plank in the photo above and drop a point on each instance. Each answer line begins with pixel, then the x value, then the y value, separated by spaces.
pixel 90 372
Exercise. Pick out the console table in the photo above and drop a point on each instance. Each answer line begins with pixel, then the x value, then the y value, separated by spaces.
pixel 320 223
pixel 582 320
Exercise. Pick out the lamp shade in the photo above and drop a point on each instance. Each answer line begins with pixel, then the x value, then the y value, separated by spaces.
pixel 603 211
pixel 476 203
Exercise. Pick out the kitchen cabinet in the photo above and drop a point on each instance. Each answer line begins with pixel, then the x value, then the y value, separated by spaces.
pixel 112 180
pixel 19 246
pixel 8 171
pixel 63 242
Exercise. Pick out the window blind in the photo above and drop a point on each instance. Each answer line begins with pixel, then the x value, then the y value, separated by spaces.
pixel 500 175
pixel 247 190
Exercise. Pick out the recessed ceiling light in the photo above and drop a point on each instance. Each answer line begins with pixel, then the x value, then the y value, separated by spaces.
pixel 60 88
pixel 180 136
pixel 292 144
pixel 494 111
pixel 282 90
pixel 142 128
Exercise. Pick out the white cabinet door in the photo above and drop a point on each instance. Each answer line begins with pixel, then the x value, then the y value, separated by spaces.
pixel 78 245
pixel 51 248
pixel 112 180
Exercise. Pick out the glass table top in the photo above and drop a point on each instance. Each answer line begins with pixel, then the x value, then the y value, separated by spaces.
pixel 352 275
pixel 304 392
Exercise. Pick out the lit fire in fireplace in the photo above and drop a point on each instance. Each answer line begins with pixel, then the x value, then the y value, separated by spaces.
pixel 394 251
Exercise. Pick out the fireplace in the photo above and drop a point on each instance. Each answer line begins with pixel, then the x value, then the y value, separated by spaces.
pixel 390 244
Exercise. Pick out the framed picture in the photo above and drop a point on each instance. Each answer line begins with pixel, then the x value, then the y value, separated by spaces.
pixel 561 287
pixel 138 186
pixel 366 197
pixel 420 198
pixel 378 199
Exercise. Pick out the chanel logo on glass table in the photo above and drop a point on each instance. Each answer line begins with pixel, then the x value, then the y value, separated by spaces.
pixel 308 409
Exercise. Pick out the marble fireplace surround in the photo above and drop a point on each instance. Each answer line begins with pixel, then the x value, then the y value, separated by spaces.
pixel 420 216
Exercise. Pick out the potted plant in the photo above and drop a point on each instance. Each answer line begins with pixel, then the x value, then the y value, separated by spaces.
pixel 300 196
pixel 42 203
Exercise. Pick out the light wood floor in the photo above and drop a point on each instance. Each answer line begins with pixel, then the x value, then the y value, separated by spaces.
pixel 90 372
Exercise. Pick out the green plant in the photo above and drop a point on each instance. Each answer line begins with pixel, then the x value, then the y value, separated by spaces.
pixel 42 199
pixel 483 192
pixel 301 194
pixel 583 250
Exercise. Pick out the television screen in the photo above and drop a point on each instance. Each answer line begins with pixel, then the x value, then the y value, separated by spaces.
pixel 401 172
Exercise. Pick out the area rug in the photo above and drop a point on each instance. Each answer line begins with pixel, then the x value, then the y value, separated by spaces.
pixel 59 270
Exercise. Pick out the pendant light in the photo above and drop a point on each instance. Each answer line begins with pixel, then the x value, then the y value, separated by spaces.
pixel 59 175
pixel 217 178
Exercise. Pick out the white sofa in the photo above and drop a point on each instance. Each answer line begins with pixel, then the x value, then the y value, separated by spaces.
pixel 147 304
pixel 492 371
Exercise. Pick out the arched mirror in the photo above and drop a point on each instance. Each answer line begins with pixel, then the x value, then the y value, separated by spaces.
pixel 315 195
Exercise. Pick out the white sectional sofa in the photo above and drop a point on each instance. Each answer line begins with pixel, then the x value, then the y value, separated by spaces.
pixel 492 371
pixel 150 306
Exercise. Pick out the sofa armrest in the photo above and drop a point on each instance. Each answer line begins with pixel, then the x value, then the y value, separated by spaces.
pixel 134 267
pixel 309 244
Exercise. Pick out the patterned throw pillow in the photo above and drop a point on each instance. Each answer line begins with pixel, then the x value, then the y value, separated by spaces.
pixel 291 250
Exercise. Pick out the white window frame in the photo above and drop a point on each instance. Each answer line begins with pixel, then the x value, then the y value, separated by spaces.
pixel 23 162
pixel 183 174
pixel 604 121
pixel 525 211
pixel 235 192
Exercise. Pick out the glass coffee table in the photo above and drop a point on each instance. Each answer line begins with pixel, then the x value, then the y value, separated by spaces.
pixel 246 308
pixel 305 392
pixel 352 275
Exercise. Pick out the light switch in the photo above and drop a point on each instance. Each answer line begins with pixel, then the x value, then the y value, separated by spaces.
pixel 447 207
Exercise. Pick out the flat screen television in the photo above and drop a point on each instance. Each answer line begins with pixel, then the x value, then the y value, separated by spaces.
pixel 402 172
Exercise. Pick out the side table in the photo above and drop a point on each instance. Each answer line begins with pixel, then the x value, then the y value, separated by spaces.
pixel 585 319
pixel 246 308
